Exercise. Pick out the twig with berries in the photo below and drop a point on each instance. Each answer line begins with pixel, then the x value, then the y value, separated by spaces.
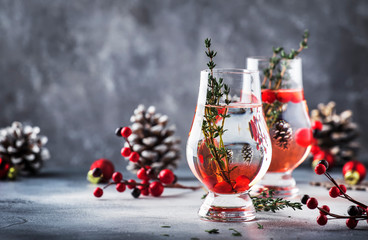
pixel 356 212
pixel 164 179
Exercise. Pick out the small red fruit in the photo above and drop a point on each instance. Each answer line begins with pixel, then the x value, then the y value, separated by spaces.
pixel 125 132
pixel 117 177
pixel 166 176
pixel 156 189
pixel 106 166
pixel 320 169
pixel 303 137
pixel 326 208
pixel 317 125
pixel 312 203
pixel 210 181
pixel 334 192
pixel 142 174
pixel 351 223
pixel 120 187
pixel 132 183
pixel 268 96
pixel 297 96
pixel 343 188
pixel 242 183
pixel 125 152
pixel 222 187
pixel 284 96
pixel 134 157
pixel 98 192
pixel 322 219
pixel 315 149
pixel 144 189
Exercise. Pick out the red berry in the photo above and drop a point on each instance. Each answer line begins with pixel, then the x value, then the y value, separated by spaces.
pixel 320 169
pixel 134 157
pixel 126 131
pixel 268 96
pixel 145 192
pixel 144 189
pixel 326 208
pixel 117 177
pixel 98 192
pixel 166 176
pixel 322 219
pixel 334 192
pixel 284 96
pixel 343 188
pixel 106 166
pixel 222 187
pixel 210 181
pixel 125 152
pixel 132 183
pixel 242 183
pixel 351 223
pixel 315 149
pixel 303 137
pixel 120 187
pixel 312 203
pixel 156 189
pixel 317 125
pixel 142 174
pixel 297 96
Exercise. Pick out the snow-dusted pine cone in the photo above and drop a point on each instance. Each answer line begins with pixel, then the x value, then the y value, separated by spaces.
pixel 282 134
pixel 23 148
pixel 339 133
pixel 153 140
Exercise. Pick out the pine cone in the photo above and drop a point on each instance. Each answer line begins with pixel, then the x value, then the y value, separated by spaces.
pixel 247 153
pixel 282 134
pixel 153 140
pixel 339 134
pixel 23 148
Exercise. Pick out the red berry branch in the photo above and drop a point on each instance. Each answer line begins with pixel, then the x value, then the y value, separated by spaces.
pixel 164 179
pixel 356 212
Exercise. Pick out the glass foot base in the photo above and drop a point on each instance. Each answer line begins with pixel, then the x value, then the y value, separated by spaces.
pixel 227 208
pixel 283 184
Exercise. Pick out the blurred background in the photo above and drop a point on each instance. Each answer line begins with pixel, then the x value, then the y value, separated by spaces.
pixel 78 69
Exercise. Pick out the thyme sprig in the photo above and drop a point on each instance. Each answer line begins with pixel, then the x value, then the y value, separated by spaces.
pixel 266 202
pixel 275 76
pixel 216 90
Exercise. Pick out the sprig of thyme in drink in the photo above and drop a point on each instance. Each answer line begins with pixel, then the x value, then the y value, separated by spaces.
pixel 275 76
pixel 216 90
pixel 266 202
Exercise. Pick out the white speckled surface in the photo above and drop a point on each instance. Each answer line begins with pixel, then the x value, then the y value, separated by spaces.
pixel 58 205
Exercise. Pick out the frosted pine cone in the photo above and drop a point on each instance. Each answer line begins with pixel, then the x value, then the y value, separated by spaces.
pixel 23 148
pixel 339 133
pixel 153 140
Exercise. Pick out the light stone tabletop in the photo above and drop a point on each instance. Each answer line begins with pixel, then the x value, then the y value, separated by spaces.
pixel 59 204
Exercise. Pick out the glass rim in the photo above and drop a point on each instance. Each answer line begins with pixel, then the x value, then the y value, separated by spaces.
pixel 267 58
pixel 239 71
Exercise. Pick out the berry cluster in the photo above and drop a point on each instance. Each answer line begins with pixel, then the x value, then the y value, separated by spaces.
pixel 270 96
pixel 164 179
pixel 356 212
pixel 316 151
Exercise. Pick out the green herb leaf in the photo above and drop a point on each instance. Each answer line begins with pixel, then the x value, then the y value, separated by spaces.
pixel 213 231
pixel 235 233
pixel 260 226
pixel 166 226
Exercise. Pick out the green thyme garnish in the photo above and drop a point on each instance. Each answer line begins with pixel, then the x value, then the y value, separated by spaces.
pixel 265 202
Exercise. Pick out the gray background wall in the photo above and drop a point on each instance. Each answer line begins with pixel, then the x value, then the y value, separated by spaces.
pixel 78 69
